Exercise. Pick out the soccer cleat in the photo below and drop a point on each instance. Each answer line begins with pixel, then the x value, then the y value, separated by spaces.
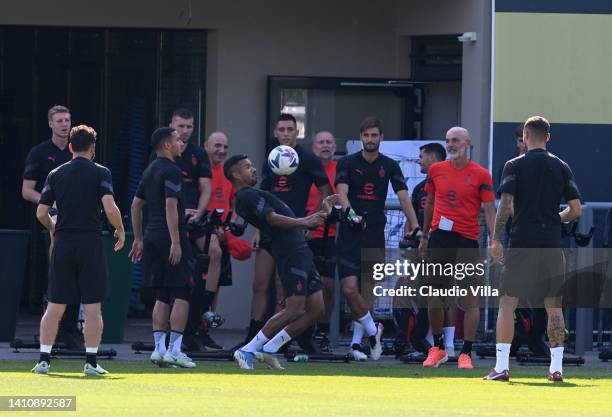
pixel 375 345
pixel 180 359
pixel 41 367
pixel 435 357
pixel 498 376
pixel 464 362
pixel 207 342
pixel 94 370
pixel 269 359
pixel 358 355
pixel 157 358
pixel 555 377
pixel 244 358
pixel 213 319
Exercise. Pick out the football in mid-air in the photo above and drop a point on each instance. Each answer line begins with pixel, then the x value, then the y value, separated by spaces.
pixel 283 160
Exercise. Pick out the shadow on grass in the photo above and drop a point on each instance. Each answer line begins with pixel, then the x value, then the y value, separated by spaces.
pixel 86 377
pixel 548 384
pixel 359 370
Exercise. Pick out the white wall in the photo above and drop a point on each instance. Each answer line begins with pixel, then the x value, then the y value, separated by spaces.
pixel 438 17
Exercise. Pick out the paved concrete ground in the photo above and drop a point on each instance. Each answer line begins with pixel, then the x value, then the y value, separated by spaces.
pixel 140 330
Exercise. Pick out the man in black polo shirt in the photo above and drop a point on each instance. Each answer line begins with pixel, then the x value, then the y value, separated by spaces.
pixel 534 185
pixel 164 246
pixel 78 274
pixel 43 158
pixel 362 180
pixel 293 190
pixel 303 303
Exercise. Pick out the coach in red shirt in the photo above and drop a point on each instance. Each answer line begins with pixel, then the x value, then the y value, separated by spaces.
pixel 324 249
pixel 456 189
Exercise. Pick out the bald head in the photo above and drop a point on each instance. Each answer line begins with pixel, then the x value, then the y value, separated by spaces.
pixel 216 147
pixel 458 141
pixel 324 146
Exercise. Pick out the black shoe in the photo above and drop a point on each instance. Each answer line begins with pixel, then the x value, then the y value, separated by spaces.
pixel 208 341
pixel 191 343
pixel 324 345
pixel 71 340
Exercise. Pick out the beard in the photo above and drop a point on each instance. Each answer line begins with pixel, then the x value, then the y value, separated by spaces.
pixel 371 147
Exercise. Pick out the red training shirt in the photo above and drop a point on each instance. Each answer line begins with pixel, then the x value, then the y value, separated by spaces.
pixel 314 198
pixel 458 194
pixel 221 191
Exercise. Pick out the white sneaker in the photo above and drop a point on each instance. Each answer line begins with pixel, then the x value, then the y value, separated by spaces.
pixel 269 359
pixel 358 355
pixel 158 358
pixel 376 350
pixel 90 370
pixel 179 359
pixel 41 367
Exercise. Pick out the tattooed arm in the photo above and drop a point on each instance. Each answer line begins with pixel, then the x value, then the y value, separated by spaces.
pixel 504 212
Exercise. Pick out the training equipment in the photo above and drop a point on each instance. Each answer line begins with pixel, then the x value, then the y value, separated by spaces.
pixel 283 160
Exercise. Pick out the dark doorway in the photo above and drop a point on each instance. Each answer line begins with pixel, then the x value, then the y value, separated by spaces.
pixel 123 82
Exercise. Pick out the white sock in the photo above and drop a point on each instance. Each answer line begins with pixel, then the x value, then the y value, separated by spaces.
pixel 277 342
pixel 556 359
pixel 449 339
pixel 256 343
pixel 160 341
pixel 429 337
pixel 357 333
pixel 176 340
pixel 45 348
pixel 503 357
pixel 91 350
pixel 368 324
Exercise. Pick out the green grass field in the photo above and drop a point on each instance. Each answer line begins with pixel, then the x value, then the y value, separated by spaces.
pixel 221 389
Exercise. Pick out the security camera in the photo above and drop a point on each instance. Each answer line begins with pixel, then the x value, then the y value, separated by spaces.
pixel 467 37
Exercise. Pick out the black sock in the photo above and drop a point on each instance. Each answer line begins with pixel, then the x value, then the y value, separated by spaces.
pixel 439 341
pixel 91 358
pixel 209 297
pixel 467 347
pixel 254 327
pixel 323 327
pixel 45 357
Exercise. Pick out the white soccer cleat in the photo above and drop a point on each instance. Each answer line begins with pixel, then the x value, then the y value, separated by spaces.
pixel 94 370
pixel 357 354
pixel 180 359
pixel 158 359
pixel 244 359
pixel 269 359
pixel 376 349
pixel 41 367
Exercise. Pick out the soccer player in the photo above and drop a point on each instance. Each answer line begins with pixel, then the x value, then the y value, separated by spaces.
pixel 362 180
pixel 164 246
pixel 324 250
pixel 293 190
pixel 78 274
pixel 533 184
pixel 303 302
pixel 456 189
pixel 43 158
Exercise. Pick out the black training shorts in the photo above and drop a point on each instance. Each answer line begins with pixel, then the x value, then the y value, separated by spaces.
pixel 77 269
pixel 324 251
pixel 158 271
pixel 298 274
pixel 351 241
